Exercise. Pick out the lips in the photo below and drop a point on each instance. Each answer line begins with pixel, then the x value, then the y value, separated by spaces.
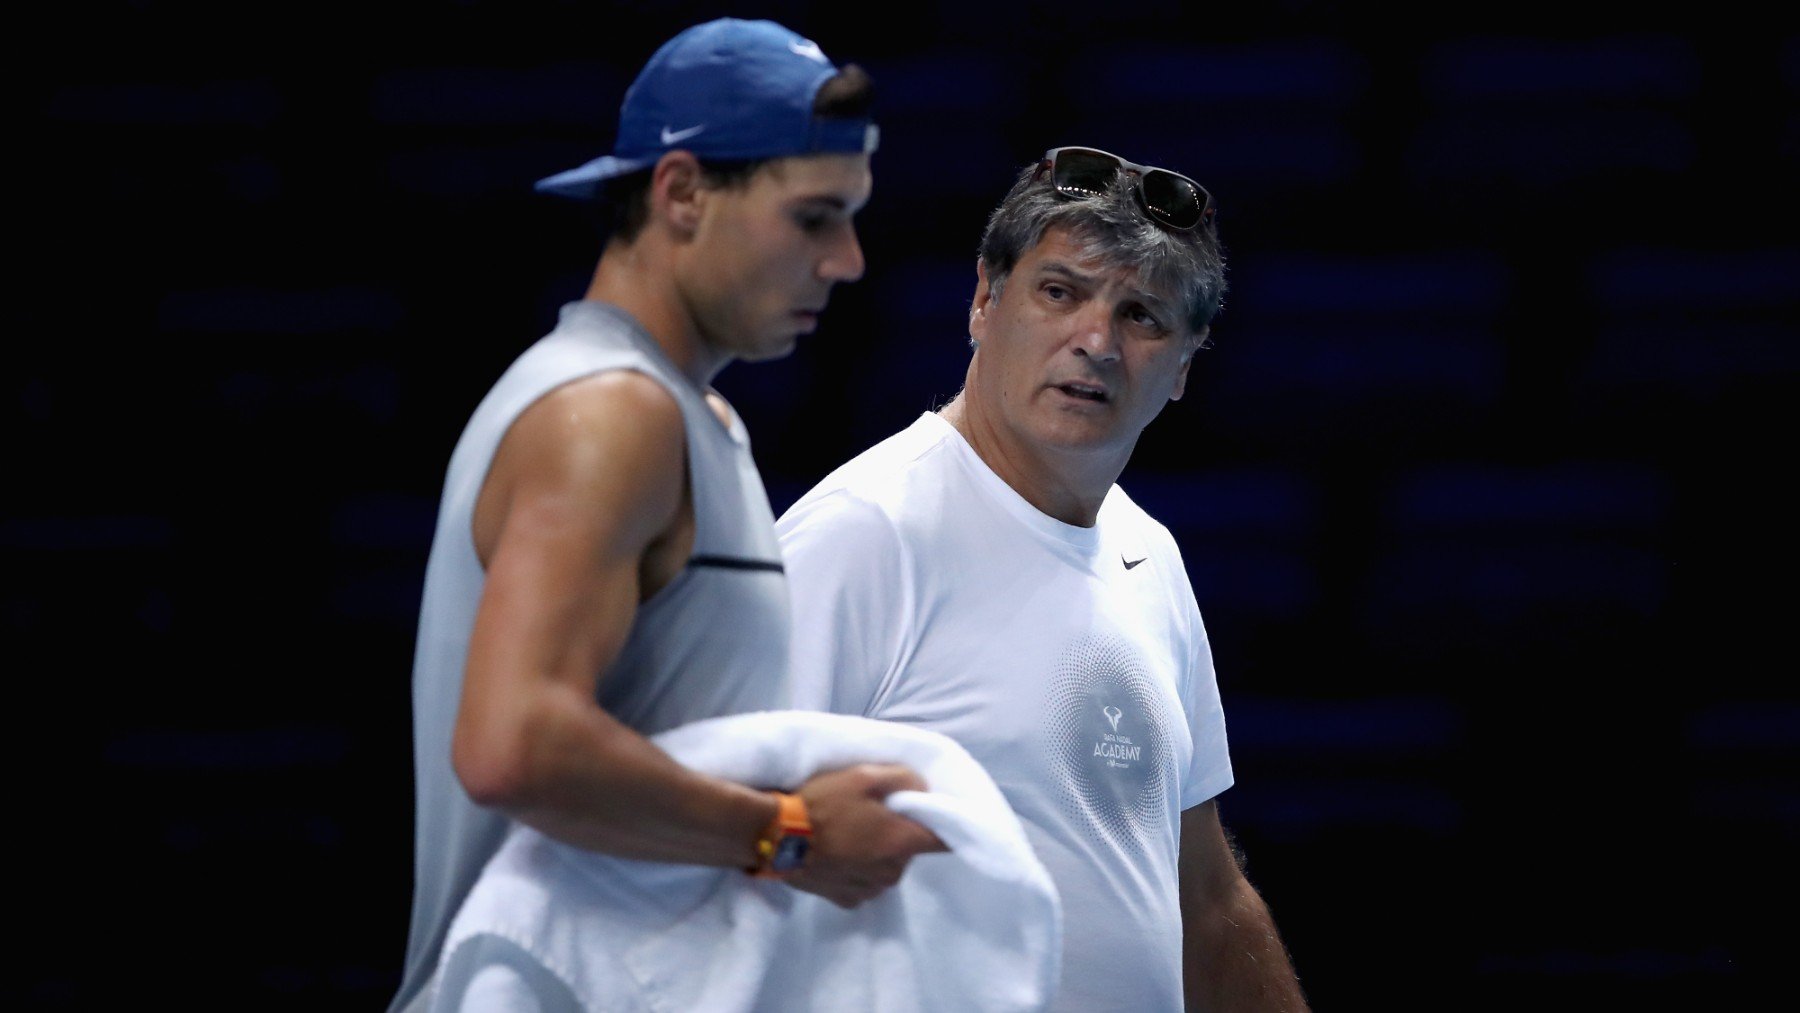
pixel 1085 391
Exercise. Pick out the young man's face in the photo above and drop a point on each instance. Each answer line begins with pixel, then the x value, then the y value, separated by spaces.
pixel 1075 355
pixel 766 253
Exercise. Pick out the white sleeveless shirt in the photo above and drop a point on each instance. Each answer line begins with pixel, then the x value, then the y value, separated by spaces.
pixel 713 642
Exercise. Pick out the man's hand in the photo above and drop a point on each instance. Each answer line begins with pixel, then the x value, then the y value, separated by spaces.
pixel 860 846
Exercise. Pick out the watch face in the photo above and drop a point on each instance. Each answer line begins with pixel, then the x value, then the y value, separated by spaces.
pixel 790 854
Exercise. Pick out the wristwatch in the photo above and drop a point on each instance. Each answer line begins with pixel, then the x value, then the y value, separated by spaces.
pixel 782 847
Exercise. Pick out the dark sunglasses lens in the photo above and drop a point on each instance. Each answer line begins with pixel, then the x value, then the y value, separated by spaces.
pixel 1084 173
pixel 1176 200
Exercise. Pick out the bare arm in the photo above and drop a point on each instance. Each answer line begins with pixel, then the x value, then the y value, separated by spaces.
pixel 1232 957
pixel 583 488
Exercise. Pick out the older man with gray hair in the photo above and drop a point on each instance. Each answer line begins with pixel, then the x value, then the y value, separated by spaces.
pixel 981 574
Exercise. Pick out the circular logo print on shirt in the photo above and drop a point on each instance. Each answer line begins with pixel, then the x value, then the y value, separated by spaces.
pixel 1108 742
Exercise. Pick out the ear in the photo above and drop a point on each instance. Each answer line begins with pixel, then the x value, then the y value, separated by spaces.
pixel 1180 379
pixel 1187 359
pixel 676 196
pixel 979 306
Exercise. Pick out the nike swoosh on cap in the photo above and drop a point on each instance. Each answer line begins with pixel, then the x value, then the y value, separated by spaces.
pixel 809 49
pixel 676 136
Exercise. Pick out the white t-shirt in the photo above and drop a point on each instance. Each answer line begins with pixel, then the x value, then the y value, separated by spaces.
pixel 1071 662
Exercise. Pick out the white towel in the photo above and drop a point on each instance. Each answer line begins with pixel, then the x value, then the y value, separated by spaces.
pixel 979 928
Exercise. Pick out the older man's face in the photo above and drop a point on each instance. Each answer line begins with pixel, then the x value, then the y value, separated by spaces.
pixel 1075 355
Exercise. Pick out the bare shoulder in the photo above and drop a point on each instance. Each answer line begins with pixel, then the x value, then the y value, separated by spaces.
pixel 609 446
pixel 618 412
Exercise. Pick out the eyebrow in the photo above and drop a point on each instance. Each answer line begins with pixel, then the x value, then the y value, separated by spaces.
pixel 1156 304
pixel 1063 270
pixel 825 202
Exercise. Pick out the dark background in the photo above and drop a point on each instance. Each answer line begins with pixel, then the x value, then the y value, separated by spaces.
pixel 1481 488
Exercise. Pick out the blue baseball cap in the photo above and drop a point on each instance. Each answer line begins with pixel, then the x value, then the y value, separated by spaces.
pixel 726 89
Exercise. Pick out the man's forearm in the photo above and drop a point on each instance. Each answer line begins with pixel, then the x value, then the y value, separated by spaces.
pixel 575 773
pixel 587 780
pixel 1233 958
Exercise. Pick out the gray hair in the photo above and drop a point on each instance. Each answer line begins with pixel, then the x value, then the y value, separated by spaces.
pixel 1111 228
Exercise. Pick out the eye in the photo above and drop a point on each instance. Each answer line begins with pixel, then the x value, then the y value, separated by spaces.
pixel 812 222
pixel 1142 317
pixel 1055 292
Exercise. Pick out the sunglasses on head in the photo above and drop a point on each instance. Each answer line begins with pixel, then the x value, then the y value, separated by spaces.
pixel 1170 198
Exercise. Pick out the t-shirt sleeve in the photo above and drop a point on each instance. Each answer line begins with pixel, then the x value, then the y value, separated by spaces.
pixel 1209 770
pixel 848 590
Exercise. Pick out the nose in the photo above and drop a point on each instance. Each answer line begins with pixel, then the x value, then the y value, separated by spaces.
pixel 844 260
pixel 1096 336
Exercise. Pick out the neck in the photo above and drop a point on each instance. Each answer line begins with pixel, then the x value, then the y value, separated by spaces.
pixel 633 277
pixel 1068 485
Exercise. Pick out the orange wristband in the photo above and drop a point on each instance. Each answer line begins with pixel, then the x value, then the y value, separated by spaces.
pixel 781 848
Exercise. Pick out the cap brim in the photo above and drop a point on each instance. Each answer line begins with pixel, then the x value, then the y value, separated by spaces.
pixel 583 182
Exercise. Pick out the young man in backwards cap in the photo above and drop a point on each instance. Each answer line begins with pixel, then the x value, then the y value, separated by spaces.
pixel 605 565
pixel 981 574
